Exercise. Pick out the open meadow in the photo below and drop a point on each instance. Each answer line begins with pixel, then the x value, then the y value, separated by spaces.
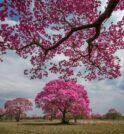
pixel 82 127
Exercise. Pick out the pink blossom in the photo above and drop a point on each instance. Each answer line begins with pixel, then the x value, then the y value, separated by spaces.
pixel 73 28
pixel 17 106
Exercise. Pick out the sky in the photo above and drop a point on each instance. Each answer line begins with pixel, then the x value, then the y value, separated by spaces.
pixel 103 94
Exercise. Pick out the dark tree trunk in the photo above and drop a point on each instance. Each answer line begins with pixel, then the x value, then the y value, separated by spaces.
pixel 51 118
pixel 11 117
pixel 1 116
pixel 17 117
pixel 75 119
pixel 64 121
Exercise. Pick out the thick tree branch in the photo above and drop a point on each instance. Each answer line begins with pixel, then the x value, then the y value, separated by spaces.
pixel 97 25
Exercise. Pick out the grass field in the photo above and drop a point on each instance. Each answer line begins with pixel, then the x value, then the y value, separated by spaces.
pixel 84 127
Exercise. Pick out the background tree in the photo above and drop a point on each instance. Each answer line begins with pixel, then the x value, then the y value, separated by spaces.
pixel 16 107
pixel 59 97
pixel 112 114
pixel 73 29
pixel 97 116
pixel 2 112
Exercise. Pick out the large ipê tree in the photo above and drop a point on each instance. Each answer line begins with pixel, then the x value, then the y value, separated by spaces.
pixel 61 97
pixel 16 107
pixel 76 29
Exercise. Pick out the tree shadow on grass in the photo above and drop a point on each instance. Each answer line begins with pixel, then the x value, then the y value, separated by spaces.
pixel 47 124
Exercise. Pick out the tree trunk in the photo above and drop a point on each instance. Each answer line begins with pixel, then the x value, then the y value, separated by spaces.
pixel 1 116
pixel 51 118
pixel 75 119
pixel 64 121
pixel 17 117
pixel 11 117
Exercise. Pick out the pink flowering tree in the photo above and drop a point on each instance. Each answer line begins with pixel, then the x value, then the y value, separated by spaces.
pixel 59 97
pixel 113 114
pixel 74 29
pixel 18 106
pixel 97 116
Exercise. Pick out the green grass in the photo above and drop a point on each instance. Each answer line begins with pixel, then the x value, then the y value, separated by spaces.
pixel 86 127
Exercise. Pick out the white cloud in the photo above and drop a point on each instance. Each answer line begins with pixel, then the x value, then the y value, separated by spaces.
pixel 103 94
pixel 14 84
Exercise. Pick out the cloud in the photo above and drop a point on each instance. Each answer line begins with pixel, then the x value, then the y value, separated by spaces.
pixel 13 82
pixel 107 93
pixel 103 94
pixel 103 100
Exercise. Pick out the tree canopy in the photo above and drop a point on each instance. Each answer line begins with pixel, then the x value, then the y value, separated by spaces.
pixel 17 106
pixel 59 97
pixel 73 29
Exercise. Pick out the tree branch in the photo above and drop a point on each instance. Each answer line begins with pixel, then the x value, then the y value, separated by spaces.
pixel 97 25
pixel 30 44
